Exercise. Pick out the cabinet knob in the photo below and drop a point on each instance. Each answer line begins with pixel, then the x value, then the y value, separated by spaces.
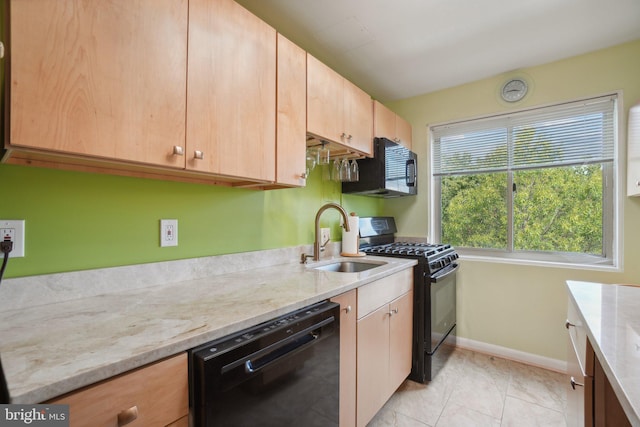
pixel 638 183
pixel 347 309
pixel 127 416
pixel 350 137
pixel 178 150
pixel 568 324
pixel 574 383
pixel 197 154
pixel 343 135
pixel 393 311
pixel 303 175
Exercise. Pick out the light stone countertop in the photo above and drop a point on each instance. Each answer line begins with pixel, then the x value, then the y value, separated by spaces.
pixel 87 336
pixel 611 314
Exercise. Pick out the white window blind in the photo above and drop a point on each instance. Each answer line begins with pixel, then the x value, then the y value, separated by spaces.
pixel 575 133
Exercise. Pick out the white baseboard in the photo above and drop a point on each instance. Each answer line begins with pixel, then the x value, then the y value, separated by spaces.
pixel 511 354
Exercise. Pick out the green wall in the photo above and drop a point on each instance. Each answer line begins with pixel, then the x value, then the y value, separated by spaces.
pixel 77 221
pixel 523 307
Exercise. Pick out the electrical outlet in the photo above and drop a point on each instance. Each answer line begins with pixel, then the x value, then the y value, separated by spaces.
pixel 168 232
pixel 325 235
pixel 13 230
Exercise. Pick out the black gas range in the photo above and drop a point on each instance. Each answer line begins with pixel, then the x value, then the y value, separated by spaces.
pixel 434 293
pixel 438 258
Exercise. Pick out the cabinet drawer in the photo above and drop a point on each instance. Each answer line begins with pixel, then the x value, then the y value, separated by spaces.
pixel 578 337
pixel 380 292
pixel 158 392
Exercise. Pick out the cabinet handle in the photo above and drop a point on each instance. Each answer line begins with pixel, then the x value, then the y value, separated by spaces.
pixel 347 309
pixel 343 135
pixel 393 311
pixel 197 154
pixel 303 175
pixel 127 416
pixel 638 183
pixel 350 137
pixel 574 383
pixel 568 324
pixel 178 150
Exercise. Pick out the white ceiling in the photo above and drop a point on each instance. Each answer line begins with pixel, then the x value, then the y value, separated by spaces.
pixel 395 49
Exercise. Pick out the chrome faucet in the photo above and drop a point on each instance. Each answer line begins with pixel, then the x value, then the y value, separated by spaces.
pixel 316 242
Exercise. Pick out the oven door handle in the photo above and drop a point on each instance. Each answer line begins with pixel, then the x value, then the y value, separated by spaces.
pixel 276 351
pixel 448 271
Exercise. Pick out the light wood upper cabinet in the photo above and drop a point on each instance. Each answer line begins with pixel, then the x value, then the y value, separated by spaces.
pixel 291 113
pixel 99 79
pixel 231 91
pixel 387 124
pixel 337 110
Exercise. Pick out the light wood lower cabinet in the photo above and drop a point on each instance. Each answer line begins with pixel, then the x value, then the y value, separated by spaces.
pixel 154 395
pixel 384 330
pixel 347 303
pixel 580 362
pixel 591 400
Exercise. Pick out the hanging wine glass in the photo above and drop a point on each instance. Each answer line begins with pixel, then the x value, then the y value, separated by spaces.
pixel 323 154
pixel 335 170
pixel 311 160
pixel 345 170
pixel 355 171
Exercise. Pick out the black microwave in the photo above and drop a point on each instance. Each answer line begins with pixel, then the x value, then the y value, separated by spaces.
pixel 392 172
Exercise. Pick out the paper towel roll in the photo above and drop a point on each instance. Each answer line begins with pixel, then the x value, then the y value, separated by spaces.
pixel 350 238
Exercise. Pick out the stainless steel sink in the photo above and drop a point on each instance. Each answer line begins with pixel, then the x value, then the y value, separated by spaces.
pixel 349 266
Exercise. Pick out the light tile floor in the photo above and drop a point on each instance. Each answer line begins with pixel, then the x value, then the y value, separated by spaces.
pixel 476 390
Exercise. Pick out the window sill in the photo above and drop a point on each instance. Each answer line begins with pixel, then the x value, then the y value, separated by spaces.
pixel 603 265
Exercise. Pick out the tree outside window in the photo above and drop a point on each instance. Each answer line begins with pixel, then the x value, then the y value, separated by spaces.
pixel 529 185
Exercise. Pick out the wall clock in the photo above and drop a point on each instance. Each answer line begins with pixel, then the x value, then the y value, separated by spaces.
pixel 514 90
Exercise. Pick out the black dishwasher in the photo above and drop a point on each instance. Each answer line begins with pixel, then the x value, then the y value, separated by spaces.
pixel 284 372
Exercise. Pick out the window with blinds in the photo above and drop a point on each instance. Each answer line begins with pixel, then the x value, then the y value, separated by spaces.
pixel 535 184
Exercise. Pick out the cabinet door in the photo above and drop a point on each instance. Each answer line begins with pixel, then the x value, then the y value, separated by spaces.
pixel 358 111
pixel 324 101
pixel 373 364
pixel 404 132
pixel 384 121
pixel 347 303
pixel 575 394
pixel 231 91
pixel 100 79
pixel 292 113
pixel 401 340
